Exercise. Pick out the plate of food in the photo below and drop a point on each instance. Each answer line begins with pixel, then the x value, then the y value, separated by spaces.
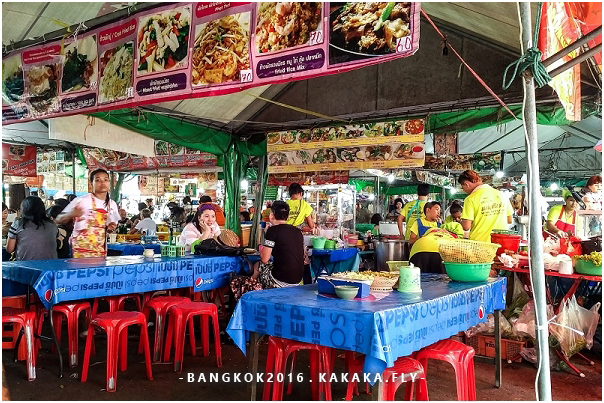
pixel 116 73
pixel 43 87
pixel 403 151
pixel 221 50
pixel 16 151
pixel 304 136
pixel 415 126
pixel 80 67
pixel 273 138
pixel 4 164
pixel 277 159
pixel 163 40
pixel 302 157
pixel 161 148
pixel 369 29
pixel 350 154
pixel 324 156
pixel 378 153
pixel 13 85
pixel 288 137
pixel 418 150
pixel 284 25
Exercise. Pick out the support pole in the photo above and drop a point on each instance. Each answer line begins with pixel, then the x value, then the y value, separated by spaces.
pixel 73 171
pixel 544 391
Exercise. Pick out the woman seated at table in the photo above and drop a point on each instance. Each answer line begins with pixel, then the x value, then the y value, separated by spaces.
pixel 421 226
pixel 34 235
pixel 146 226
pixel 424 252
pixel 202 227
pixel 562 219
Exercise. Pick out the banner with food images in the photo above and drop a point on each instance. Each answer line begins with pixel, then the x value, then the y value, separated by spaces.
pixel 185 50
pixel 18 160
pixel 435 179
pixel 378 145
pixel 309 178
pixel 480 162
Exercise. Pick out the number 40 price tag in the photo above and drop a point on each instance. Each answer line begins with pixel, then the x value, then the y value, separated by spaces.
pixel 246 76
pixel 404 44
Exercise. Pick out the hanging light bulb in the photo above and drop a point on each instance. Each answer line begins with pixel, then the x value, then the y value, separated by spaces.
pixel 553 186
pixel 244 184
pixel 499 174
pixel 390 178
pixel 371 197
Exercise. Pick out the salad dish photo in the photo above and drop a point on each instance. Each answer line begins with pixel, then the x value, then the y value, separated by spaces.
pixel 116 73
pixel 277 159
pixel 161 148
pixel 301 157
pixel 12 79
pixel 350 154
pixel 378 153
pixel 324 156
pixel 42 87
pixel 80 67
pixel 163 40
pixel 221 50
pixel 283 25
pixel 366 29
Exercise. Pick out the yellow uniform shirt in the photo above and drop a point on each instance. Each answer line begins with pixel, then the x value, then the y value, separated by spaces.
pixel 487 211
pixel 454 227
pixel 415 213
pixel 429 242
pixel 554 215
pixel 298 211
pixel 415 227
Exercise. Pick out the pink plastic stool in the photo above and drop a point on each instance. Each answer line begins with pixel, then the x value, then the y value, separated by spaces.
pixel 180 315
pixel 116 325
pixel 460 356
pixel 72 312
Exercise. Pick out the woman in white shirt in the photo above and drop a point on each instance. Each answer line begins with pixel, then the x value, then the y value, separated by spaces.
pixel 202 227
pixel 95 214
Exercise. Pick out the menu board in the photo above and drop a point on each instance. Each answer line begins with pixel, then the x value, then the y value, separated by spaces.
pixel 18 160
pixel 434 179
pixel 151 185
pixel 372 145
pixel 482 162
pixel 186 50
pixel 51 162
pixel 167 155
pixel 308 178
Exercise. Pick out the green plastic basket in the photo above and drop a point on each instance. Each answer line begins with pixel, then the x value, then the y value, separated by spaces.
pixel 468 272
pixel 587 268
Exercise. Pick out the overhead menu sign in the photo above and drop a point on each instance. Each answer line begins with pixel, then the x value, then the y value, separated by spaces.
pixel 189 50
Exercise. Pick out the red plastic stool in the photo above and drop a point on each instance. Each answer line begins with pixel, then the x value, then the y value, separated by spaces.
pixel 180 315
pixel 160 305
pixel 12 333
pixel 405 370
pixel 354 365
pixel 72 312
pixel 278 352
pixel 26 319
pixel 116 303
pixel 147 296
pixel 116 325
pixel 460 356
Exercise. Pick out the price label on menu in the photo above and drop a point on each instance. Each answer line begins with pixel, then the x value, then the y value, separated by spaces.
pixel 316 38
pixel 130 92
pixel 404 44
pixel 246 76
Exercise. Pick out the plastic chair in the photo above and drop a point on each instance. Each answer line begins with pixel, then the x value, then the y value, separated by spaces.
pixel 116 326
pixel 278 352
pixel 17 301
pixel 26 319
pixel 405 370
pixel 460 356
pixel 160 305
pixel 182 314
pixel 354 365
pixel 72 312
pixel 116 303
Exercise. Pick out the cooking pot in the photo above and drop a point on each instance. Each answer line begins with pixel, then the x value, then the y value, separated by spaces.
pixel 390 249
pixel 593 244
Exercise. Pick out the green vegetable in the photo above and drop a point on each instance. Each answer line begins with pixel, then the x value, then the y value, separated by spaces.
pixel 181 52
pixel 74 69
pixel 143 65
pixel 384 17
pixel 153 35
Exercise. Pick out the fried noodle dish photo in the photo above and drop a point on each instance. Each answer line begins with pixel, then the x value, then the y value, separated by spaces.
pixel 283 25
pixel 221 50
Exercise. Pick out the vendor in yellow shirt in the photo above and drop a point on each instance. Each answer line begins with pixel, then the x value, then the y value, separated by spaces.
pixel 431 220
pixel 562 219
pixel 424 252
pixel 484 209
pixel 453 221
pixel 299 210
pixel 413 210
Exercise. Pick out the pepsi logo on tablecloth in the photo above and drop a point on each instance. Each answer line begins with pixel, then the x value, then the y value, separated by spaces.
pixel 48 295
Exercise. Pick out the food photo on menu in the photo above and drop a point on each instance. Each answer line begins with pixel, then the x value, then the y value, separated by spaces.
pixel 116 73
pixel 80 65
pixel 12 79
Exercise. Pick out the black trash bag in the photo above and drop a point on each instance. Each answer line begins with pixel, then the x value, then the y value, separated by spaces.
pixel 214 247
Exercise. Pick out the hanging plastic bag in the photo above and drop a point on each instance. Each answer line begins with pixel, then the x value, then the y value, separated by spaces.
pixel 574 327
pixel 519 298
pixel 488 327
pixel 525 324
pixel 552 246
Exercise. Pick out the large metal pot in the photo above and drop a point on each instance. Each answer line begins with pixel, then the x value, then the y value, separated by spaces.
pixel 390 249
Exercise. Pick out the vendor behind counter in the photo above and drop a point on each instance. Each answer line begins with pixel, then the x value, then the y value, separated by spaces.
pixel 562 219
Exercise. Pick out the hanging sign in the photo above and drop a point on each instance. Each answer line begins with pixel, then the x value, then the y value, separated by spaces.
pixel 186 50
pixel 18 160
pixel 481 162
pixel 309 178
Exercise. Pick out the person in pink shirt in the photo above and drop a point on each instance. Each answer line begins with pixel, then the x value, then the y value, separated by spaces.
pixel 203 226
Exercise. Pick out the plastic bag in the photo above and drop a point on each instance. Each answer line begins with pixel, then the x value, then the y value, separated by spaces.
pixel 525 324
pixel 519 299
pixel 552 246
pixel 488 327
pixel 574 327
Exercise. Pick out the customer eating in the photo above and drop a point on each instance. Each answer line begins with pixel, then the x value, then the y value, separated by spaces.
pixel 34 235
pixel 202 227
pixel 484 209
pixel 95 214
pixel 431 220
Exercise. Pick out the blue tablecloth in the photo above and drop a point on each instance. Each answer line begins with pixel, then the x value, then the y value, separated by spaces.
pixel 334 260
pixel 135 249
pixel 61 280
pixel 384 330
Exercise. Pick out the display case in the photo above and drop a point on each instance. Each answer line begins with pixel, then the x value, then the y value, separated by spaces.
pixel 334 205
pixel 590 223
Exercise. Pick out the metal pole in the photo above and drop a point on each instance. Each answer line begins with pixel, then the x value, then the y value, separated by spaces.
pixel 537 274
pixel 378 205
pixel 575 61
pixel 73 171
pixel 579 42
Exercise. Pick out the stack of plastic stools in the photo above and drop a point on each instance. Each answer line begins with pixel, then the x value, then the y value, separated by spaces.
pixel 182 314
pixel 460 356
pixel 278 352
pixel 405 370
pixel 116 326
pixel 72 312
pixel 160 305
pixel 26 319
pixel 354 365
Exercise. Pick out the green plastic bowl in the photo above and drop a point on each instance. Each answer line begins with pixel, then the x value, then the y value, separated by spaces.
pixel 587 268
pixel 346 291
pixel 318 242
pixel 468 272
pixel 330 244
